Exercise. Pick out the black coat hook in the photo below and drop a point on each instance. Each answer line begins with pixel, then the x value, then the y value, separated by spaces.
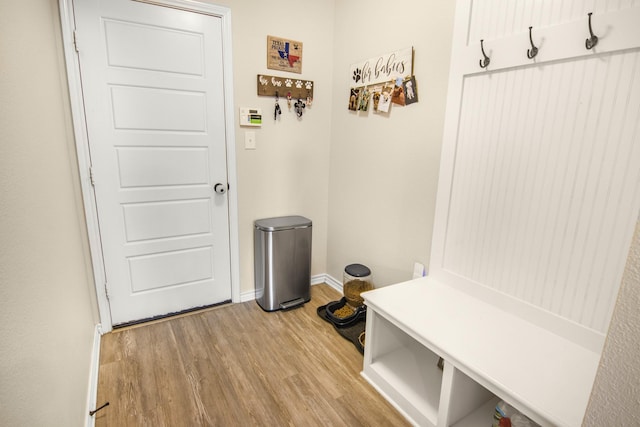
pixel 531 53
pixel 484 63
pixel 592 41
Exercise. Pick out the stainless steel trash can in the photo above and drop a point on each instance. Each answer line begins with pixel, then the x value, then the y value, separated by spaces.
pixel 282 267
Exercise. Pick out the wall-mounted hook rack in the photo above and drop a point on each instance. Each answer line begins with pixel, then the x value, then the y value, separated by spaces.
pixel 555 41
pixel 294 87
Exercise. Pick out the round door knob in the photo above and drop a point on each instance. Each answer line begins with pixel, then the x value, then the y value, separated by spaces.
pixel 220 188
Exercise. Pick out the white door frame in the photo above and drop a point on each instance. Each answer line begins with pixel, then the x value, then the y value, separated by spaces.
pixel 70 39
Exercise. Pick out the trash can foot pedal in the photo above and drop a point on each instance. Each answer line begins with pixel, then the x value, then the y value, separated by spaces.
pixel 292 304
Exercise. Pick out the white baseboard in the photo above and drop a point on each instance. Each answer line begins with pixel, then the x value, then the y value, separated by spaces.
pixel 315 280
pixel 92 393
pixel 247 296
pixel 329 280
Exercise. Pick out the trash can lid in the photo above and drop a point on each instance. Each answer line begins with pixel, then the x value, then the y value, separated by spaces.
pixel 357 270
pixel 282 223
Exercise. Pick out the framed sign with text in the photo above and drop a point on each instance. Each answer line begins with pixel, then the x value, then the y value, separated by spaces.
pixel 284 55
pixel 382 68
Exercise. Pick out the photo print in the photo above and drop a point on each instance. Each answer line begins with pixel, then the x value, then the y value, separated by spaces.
pixel 376 92
pixel 385 99
pixel 365 98
pixel 397 96
pixel 354 99
pixel 410 91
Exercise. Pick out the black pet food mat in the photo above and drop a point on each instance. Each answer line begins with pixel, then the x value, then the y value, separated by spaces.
pixel 351 332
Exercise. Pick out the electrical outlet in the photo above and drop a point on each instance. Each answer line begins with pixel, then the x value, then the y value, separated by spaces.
pixel 250 140
pixel 418 270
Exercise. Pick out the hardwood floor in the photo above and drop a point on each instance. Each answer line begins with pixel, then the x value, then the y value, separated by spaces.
pixel 238 366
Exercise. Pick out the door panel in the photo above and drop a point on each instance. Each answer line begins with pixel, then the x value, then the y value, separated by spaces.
pixel 170 269
pixel 153 86
pixel 153 109
pixel 148 221
pixel 162 166
pixel 133 45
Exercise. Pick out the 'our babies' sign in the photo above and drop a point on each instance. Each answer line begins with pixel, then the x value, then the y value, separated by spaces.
pixel 382 68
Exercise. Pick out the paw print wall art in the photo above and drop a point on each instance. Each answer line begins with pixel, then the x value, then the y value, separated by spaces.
pixel 283 86
pixel 357 75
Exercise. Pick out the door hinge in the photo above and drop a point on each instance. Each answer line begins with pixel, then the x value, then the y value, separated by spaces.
pixel 75 40
pixel 106 291
pixel 91 177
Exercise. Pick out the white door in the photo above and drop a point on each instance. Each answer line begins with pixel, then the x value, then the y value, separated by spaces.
pixel 152 80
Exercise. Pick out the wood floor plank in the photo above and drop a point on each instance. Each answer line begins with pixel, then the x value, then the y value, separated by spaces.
pixel 238 365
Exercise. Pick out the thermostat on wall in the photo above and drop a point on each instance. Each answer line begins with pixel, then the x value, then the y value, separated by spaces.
pixel 250 117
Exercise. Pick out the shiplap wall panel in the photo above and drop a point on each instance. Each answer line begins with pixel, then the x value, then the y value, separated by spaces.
pixel 547 161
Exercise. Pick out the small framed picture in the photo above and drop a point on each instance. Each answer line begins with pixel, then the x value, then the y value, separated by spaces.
pixel 284 55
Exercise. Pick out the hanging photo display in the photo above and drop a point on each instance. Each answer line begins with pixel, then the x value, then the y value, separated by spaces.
pixel 385 79
pixel 284 55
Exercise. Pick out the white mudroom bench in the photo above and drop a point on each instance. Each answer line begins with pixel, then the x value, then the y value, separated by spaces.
pixel 489 353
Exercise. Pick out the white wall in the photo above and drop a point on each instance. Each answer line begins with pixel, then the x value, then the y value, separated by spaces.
pixel 47 305
pixel 288 173
pixel 615 399
pixel 307 167
pixel 384 169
